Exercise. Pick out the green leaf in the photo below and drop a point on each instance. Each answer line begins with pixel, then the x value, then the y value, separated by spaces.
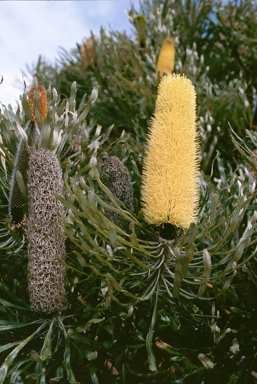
pixel 88 324
pixel 113 237
pixel 46 351
pixel 3 157
pixel 26 107
pixel 207 271
pixel 189 250
pixel 178 270
pixel 67 358
pixel 81 260
pixel 8 346
pixel 90 355
pixel 7 292
pixel 58 377
pixel 94 378
pixel 235 347
pixel 8 304
pixel 7 325
pixel 22 186
pixel 73 96
pixel 35 356
pixel 166 347
pixel 207 363
pixel 188 363
pixel 10 358
pixel 15 374
pixel 149 337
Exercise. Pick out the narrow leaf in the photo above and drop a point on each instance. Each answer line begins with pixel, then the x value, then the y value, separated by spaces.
pixel 46 351
pixel 10 358
pixel 207 363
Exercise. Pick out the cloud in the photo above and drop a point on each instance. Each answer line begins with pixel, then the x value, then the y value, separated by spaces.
pixel 32 28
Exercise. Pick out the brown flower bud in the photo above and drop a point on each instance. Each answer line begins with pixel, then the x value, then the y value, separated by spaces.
pixel 42 100
pixel 88 53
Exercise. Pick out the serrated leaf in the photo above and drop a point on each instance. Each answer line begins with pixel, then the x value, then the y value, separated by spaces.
pixel 58 377
pixel 67 359
pixel 113 238
pixel 235 347
pixel 166 347
pixel 46 351
pixel 81 260
pixel 207 363
pixel 149 337
pixel 207 271
pixel 88 324
pixel 73 96
pixel 3 158
pixel 94 378
pixel 178 270
pixel 90 355
pixel 22 186
pixel 15 374
pixel 35 356
pixel 188 363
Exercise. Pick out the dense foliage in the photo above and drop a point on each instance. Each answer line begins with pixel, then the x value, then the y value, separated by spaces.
pixel 139 307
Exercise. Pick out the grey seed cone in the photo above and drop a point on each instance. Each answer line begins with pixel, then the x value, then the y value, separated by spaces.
pixel 46 237
pixel 117 179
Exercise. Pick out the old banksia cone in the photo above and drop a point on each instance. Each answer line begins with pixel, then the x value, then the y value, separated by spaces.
pixel 46 237
pixel 42 102
pixel 21 164
pixel 170 181
pixel 166 60
pixel 117 178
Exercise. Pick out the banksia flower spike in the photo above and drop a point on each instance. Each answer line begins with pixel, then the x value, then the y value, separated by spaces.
pixel 42 100
pixel 46 237
pixel 21 164
pixel 170 180
pixel 117 179
pixel 166 60
pixel 88 53
pixel 140 23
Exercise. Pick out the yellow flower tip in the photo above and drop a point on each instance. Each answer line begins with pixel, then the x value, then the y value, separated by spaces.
pixel 166 60
pixel 42 101
pixel 171 170
pixel 90 57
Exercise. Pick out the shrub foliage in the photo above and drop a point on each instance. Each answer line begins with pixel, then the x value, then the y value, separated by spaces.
pixel 143 303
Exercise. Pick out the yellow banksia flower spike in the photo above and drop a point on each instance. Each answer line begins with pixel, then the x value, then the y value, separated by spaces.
pixel 42 101
pixel 171 171
pixel 166 59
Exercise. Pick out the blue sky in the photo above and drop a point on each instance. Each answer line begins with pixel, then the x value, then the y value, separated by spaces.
pixel 31 28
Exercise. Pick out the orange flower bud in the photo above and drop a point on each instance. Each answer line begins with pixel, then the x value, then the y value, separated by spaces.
pixel 42 99
pixel 88 56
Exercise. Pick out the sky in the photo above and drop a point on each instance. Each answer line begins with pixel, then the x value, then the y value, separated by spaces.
pixel 32 28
